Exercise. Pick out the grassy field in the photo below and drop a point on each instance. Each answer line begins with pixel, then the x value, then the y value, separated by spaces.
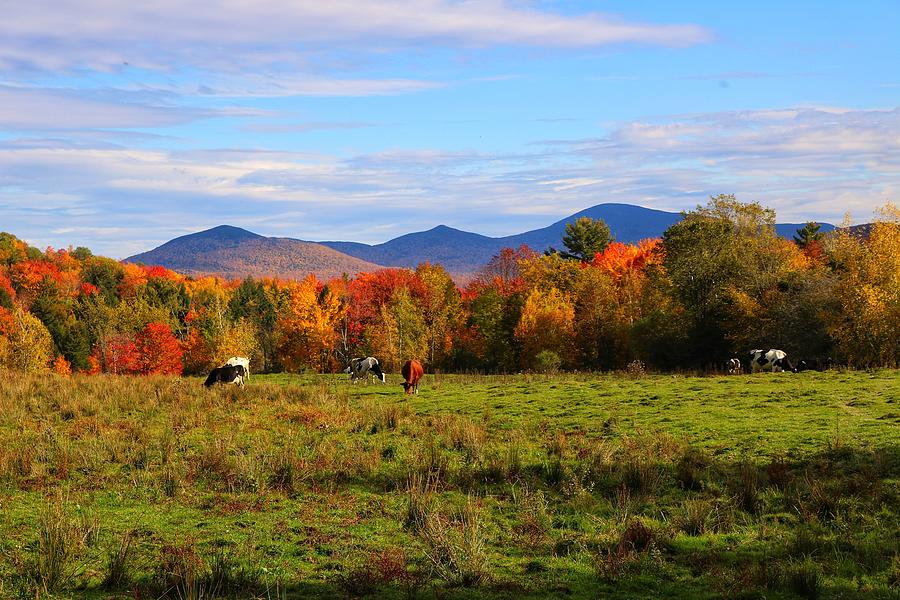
pixel 570 486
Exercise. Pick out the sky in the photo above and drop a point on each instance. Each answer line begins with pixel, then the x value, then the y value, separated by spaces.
pixel 126 124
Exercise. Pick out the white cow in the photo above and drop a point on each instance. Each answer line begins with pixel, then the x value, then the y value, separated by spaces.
pixel 239 360
pixel 734 366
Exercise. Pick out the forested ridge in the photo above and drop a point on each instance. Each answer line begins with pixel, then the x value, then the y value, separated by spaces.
pixel 716 284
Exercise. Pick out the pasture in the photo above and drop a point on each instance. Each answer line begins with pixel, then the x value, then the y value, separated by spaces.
pixel 569 486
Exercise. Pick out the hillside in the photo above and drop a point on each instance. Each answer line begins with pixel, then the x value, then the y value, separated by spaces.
pixel 232 252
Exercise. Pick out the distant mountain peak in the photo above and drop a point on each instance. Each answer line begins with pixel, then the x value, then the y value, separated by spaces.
pixel 234 253
pixel 226 232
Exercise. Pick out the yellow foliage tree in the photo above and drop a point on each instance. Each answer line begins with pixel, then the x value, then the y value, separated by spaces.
pixel 401 332
pixel 547 323
pixel 442 310
pixel 29 348
pixel 867 329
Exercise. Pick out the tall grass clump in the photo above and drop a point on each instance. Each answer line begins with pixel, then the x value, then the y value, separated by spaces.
pixel 118 561
pixel 455 546
pixel 59 540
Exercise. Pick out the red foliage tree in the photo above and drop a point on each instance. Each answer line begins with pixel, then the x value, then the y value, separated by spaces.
pixel 118 355
pixel 158 350
pixel 502 273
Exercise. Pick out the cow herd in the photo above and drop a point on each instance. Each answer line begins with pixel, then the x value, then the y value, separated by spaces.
pixel 776 361
pixel 237 368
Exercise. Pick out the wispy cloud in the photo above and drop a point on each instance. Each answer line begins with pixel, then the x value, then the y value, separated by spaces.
pixel 305 127
pixel 30 108
pixel 229 36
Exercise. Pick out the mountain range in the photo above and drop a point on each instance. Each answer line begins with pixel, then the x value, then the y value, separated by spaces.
pixel 232 252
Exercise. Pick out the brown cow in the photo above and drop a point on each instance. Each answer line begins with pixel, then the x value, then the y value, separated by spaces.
pixel 412 372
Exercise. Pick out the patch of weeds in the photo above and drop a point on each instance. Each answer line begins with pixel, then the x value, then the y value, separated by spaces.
pixel 388 567
pixel 230 576
pixel 637 537
pixel 534 521
pixel 696 516
pixel 59 539
pixel 778 472
pixel 181 571
pixel 642 475
pixel 636 369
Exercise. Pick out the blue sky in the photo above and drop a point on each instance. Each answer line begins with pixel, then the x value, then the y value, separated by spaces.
pixel 123 126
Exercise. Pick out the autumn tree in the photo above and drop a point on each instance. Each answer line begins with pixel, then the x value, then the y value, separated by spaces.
pixel 867 328
pixel 255 302
pixel 441 310
pixel 546 324
pixel 307 326
pixel 158 350
pixel 401 333
pixel 29 347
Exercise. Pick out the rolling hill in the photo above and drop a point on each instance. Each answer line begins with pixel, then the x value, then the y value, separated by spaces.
pixel 232 252
pixel 463 253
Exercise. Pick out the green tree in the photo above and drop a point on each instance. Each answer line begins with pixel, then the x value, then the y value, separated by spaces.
pixel 808 234
pixel 584 238
pixel 726 264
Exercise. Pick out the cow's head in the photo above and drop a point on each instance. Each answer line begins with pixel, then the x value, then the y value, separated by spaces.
pixel 785 364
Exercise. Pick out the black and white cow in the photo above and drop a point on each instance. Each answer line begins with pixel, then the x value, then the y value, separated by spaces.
pixel 362 367
pixel 770 360
pixel 226 374
pixel 734 366
pixel 239 360
pixel 815 364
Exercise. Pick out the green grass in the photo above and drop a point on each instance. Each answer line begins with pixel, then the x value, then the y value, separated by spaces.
pixel 585 486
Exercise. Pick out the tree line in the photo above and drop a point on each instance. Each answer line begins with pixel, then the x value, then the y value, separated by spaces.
pixel 718 283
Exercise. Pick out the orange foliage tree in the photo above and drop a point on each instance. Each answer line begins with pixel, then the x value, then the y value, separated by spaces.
pixel 308 325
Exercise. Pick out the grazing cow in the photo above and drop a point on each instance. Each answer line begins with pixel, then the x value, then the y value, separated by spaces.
pixel 412 372
pixel 226 374
pixel 239 360
pixel 815 364
pixel 734 366
pixel 363 367
pixel 770 360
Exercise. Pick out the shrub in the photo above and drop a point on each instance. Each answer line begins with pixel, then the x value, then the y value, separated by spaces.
pixel 636 369
pixel 547 361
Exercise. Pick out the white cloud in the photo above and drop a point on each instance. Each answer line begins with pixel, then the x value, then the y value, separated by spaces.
pixel 804 163
pixel 104 35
